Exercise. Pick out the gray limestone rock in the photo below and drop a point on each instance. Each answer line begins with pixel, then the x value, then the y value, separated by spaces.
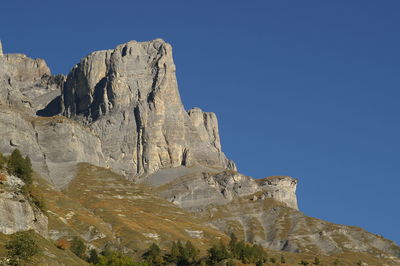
pixel 278 227
pixel 27 83
pixel 280 188
pixel 17 213
pixel 129 96
pixel 54 145
pixel 199 188
pixel 121 109
pixel 127 105
pixel 64 143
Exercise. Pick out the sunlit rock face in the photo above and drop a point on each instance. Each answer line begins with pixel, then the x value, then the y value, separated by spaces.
pixel 280 188
pixel 196 189
pixel 128 108
pixel 27 83
pixel 129 97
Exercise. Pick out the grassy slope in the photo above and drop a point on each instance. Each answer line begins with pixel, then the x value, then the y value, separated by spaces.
pixel 49 254
pixel 241 205
pixel 127 214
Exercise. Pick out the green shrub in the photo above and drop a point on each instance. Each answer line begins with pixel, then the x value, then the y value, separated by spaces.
pixel 20 166
pixel 153 255
pixel 111 258
pixel 217 253
pixel 21 246
pixel 245 252
pixel 174 253
pixel 93 257
pixel 303 262
pixel 78 247
pixel 230 263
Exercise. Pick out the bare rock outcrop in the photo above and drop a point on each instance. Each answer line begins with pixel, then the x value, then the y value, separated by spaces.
pixel 55 145
pixel 127 105
pixel 273 225
pixel 27 83
pixel 197 189
pixel 121 109
pixel 129 96
pixel 280 188
pixel 17 213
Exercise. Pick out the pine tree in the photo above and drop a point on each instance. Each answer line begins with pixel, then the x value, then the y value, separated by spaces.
pixel 153 255
pixel 78 247
pixel 20 166
pixel 21 246
pixel 93 257
pixel 191 252
pixel 217 253
pixel 174 253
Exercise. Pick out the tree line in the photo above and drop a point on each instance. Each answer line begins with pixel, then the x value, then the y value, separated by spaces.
pixel 180 254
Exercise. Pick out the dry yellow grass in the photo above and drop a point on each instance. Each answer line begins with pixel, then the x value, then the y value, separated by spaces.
pixel 128 214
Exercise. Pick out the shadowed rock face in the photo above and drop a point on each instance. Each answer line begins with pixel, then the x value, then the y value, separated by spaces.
pixel 129 97
pixel 127 100
pixel 121 109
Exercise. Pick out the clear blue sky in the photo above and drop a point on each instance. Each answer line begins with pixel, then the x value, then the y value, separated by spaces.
pixel 302 88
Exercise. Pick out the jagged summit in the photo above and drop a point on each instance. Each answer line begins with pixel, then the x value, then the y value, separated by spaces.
pixel 129 96
pixel 120 109
pixel 128 99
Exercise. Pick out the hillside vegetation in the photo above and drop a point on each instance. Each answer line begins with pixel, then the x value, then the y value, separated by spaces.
pixel 127 222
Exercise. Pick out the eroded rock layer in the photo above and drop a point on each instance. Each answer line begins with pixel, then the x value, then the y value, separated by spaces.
pixel 129 97
pixel 121 109
pixel 127 107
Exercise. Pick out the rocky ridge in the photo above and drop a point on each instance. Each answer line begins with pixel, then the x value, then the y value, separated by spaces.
pixel 196 189
pixel 120 109
pixel 129 97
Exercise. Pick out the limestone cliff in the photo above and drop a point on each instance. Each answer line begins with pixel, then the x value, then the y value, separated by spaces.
pixel 27 83
pixel 121 109
pixel 129 97
pixel 17 213
pixel 197 189
pixel 127 105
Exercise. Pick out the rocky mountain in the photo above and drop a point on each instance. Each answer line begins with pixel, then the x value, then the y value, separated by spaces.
pixel 129 98
pixel 119 111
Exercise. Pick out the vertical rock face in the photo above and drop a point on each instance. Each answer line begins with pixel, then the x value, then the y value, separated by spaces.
pixel 280 188
pixel 54 145
pixel 129 97
pixel 16 212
